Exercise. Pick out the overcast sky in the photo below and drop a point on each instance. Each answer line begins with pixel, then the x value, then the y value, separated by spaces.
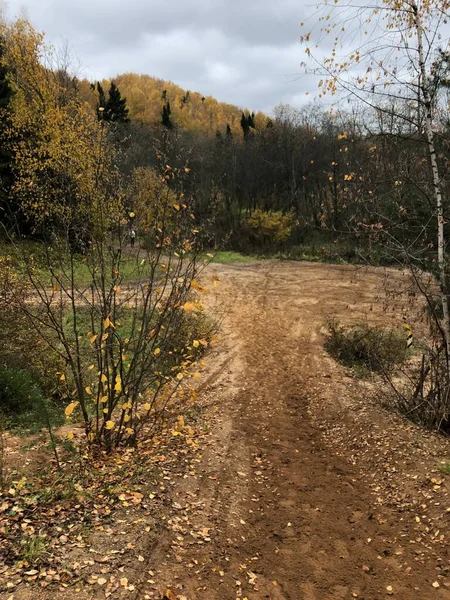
pixel 243 52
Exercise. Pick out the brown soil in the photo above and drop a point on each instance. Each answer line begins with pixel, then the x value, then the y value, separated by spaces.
pixel 306 489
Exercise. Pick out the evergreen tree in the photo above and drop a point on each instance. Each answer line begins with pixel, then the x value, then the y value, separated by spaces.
pixel 245 125
pixel 229 133
pixel 165 116
pixel 185 99
pixel 116 107
pixel 101 101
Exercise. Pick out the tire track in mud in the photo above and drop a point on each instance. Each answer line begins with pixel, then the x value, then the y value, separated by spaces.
pixel 288 519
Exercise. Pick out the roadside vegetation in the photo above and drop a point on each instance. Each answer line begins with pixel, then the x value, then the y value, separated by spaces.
pixel 409 373
pixel 366 348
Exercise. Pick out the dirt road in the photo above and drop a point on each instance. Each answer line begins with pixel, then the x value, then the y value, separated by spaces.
pixel 306 490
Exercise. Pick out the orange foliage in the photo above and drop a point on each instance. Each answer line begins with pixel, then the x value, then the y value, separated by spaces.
pixel 189 110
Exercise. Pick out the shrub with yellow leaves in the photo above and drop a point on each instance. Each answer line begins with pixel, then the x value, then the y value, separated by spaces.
pixel 119 318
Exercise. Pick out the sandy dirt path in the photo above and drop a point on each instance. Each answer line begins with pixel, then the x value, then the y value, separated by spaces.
pixel 295 492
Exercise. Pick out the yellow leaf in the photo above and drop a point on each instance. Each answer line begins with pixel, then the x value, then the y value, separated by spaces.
pixel 180 376
pixel 147 406
pixel 109 424
pixel 189 307
pixel 126 418
pixel 88 390
pixel 176 207
pixel 118 386
pixel 104 399
pixel 70 408
pixel 129 431
pixel 63 377
pixel 93 338
pixel 196 375
pixel 103 378
pixel 90 367
pixel 70 435
pixel 157 351
pixel 131 214
pixel 180 422
pixel 196 343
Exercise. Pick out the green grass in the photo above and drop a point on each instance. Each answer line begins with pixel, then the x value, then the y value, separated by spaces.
pixel 227 257
pixel 26 251
pixel 35 549
pixel 24 407
pixel 338 253
pixel 445 468
pixel 324 253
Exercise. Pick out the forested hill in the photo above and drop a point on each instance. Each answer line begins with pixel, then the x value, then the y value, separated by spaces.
pixel 146 96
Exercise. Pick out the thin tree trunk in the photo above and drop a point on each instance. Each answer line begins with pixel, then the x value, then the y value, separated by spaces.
pixel 2 457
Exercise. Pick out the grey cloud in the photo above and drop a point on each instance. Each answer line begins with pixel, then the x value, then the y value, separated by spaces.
pixel 243 53
pixel 252 22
